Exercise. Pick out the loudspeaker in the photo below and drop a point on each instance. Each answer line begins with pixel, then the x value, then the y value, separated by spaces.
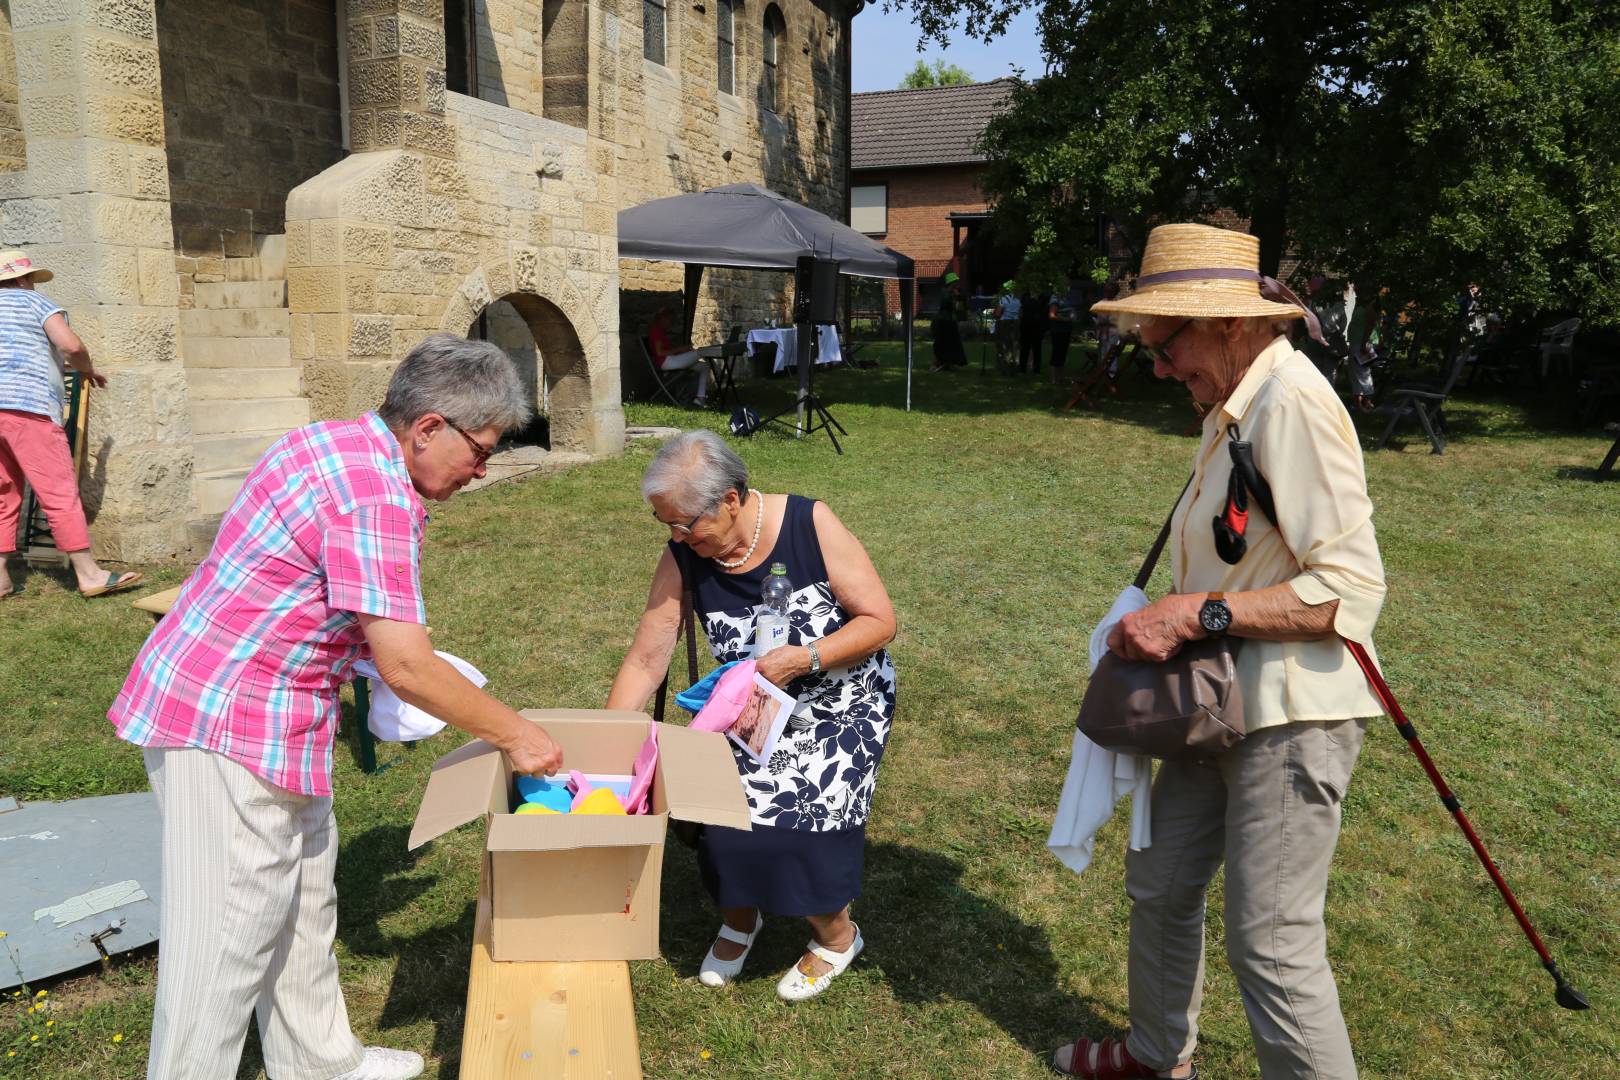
pixel 815 290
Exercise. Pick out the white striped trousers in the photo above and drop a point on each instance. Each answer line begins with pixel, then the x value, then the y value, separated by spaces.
pixel 248 914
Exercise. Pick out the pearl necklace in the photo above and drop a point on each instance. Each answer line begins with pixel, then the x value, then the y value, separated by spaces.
pixel 759 521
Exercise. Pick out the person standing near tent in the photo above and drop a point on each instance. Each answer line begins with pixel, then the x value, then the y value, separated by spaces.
pixel 33 446
pixel 1061 313
pixel 234 700
pixel 1008 309
pixel 948 351
pixel 1292 595
pixel 661 344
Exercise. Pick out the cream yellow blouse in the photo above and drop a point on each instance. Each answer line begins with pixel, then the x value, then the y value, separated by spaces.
pixel 1324 547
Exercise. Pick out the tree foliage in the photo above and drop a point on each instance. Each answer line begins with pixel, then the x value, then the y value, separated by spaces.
pixel 1417 145
pixel 940 74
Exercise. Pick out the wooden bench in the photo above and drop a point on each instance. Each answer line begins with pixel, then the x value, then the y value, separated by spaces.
pixel 158 604
pixel 534 1021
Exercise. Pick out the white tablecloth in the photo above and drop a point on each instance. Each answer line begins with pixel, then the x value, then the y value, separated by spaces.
pixel 786 339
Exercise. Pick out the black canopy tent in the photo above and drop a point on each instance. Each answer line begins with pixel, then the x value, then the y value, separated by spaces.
pixel 747 227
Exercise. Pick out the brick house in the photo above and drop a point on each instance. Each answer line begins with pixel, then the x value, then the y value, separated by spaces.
pixel 915 169
pixel 255 207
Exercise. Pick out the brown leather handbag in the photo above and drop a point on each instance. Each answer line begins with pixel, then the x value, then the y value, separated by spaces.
pixel 1189 706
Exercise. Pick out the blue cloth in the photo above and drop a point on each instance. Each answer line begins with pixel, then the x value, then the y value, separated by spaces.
pixel 782 871
pixel 694 697
pixel 30 375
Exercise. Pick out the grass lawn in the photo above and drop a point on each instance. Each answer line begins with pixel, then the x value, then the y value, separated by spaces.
pixel 1002 529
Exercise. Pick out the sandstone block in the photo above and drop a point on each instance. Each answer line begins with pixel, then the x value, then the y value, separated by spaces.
pixel 366 245
pixel 121 117
pixel 302 330
pixel 139 222
pixel 125 66
pixel 160 285
pixel 235 351
pixel 370 336
pixel 136 18
pixel 315 288
pixel 298 248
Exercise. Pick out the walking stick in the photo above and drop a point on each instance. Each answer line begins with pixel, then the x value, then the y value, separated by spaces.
pixel 1568 996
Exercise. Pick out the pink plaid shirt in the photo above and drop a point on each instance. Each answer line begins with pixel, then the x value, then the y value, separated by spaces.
pixel 249 660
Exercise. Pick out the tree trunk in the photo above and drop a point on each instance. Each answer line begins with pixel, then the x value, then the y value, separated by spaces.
pixel 1268 221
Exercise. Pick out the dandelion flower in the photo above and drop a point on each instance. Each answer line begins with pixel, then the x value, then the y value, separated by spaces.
pixel 42 993
pixel 33 1038
pixel 119 1037
pixel 50 1023
pixel 705 1055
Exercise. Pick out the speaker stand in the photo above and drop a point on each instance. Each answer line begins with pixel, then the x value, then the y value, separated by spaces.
pixel 820 418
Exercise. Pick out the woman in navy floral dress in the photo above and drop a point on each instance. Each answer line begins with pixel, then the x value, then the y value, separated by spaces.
pixel 810 800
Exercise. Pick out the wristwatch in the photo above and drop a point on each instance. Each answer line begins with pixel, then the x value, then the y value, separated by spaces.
pixel 1215 616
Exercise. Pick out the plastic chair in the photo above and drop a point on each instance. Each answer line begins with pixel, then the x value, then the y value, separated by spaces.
pixel 1423 404
pixel 1557 346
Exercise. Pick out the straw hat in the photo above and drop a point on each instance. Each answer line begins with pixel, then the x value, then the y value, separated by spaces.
pixel 1201 272
pixel 16 264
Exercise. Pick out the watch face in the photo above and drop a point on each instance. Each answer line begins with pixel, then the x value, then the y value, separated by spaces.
pixel 1215 616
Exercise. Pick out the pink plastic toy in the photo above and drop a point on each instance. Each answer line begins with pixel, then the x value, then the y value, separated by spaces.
pixel 726 703
pixel 642 774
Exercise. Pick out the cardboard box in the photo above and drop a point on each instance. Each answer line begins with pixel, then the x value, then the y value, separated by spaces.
pixel 582 887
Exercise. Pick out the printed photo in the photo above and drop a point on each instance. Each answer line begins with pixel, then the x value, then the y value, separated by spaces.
pixel 764 716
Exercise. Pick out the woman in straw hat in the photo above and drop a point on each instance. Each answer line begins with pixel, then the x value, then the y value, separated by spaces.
pixel 32 444
pixel 1269 807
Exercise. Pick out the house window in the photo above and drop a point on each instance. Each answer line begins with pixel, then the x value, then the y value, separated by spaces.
pixel 771 84
pixel 461 46
pixel 869 208
pixel 653 30
pixel 725 46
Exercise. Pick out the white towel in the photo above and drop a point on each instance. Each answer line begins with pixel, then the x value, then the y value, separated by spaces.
pixel 1099 778
pixel 391 720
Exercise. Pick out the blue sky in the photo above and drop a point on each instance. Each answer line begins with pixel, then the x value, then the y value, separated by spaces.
pixel 886 48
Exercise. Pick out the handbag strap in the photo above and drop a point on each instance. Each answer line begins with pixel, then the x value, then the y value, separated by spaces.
pixel 687 629
pixel 1157 549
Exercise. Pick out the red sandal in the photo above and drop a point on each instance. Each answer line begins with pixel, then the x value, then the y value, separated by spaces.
pixel 1106 1059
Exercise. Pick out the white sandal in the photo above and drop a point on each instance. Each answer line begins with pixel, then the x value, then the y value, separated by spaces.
pixel 797 986
pixel 717 972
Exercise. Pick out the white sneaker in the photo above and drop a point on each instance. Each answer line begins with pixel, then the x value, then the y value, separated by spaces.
pixel 718 972
pixel 797 986
pixel 381 1063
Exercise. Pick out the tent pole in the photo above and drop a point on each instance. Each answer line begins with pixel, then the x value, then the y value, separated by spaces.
pixel 694 282
pixel 908 303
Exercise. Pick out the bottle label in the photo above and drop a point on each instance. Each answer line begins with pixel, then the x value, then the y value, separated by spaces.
pixel 770 632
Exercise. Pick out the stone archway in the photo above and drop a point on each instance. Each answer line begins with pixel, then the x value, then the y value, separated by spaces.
pixel 581 388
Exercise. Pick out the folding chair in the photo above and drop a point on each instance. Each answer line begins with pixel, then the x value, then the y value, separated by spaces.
pixel 721 366
pixel 1423 404
pixel 678 387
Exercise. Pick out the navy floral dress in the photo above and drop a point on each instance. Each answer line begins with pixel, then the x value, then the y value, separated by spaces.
pixel 809 803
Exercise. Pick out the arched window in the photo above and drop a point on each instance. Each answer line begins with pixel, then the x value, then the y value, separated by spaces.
pixel 653 30
pixel 725 37
pixel 775 31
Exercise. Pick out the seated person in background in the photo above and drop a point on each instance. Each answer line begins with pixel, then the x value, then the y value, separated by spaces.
pixel 661 343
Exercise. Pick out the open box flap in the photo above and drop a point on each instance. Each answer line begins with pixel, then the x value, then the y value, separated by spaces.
pixel 699 778
pixel 461 788
pixel 565 832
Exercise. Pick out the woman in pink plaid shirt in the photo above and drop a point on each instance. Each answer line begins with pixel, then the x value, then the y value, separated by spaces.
pixel 234 699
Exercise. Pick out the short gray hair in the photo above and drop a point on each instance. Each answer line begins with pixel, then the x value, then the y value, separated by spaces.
pixel 473 384
pixel 695 469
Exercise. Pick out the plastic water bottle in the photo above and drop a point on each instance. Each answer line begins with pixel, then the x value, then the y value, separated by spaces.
pixel 771 626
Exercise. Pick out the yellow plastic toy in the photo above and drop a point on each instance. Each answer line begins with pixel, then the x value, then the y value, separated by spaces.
pixel 600 801
pixel 536 808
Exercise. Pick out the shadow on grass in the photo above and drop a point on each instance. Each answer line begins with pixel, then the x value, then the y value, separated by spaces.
pixel 932 938
pixel 371 880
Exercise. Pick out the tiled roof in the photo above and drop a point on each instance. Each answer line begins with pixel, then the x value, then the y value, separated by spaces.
pixel 938 125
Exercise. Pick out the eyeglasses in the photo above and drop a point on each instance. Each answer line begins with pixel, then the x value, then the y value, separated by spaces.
pixel 679 531
pixel 1157 353
pixel 480 455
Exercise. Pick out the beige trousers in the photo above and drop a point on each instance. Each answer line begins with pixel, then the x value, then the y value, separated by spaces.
pixel 1270 808
pixel 248 917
